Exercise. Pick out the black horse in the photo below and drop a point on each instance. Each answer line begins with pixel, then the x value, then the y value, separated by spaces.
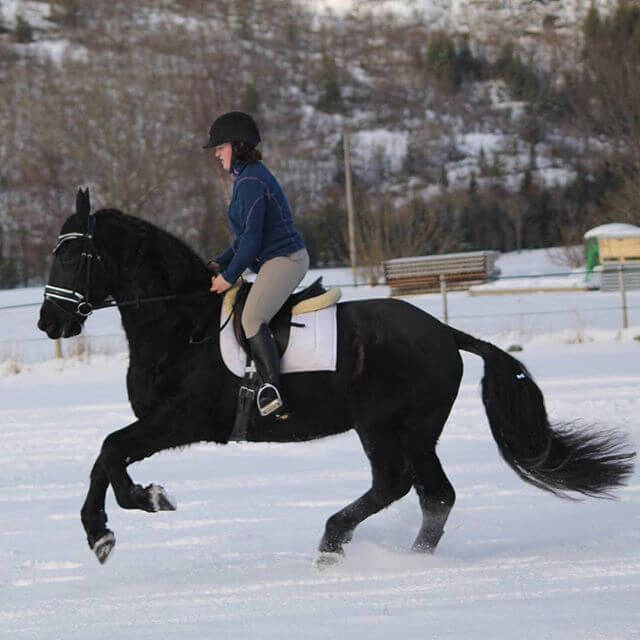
pixel 398 373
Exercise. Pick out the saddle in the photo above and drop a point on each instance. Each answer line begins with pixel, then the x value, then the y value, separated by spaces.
pixel 312 298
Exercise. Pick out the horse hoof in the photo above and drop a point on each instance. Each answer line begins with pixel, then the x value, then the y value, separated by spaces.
pixel 160 499
pixel 104 546
pixel 327 559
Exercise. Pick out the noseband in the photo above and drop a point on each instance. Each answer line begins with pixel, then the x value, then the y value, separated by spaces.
pixel 81 300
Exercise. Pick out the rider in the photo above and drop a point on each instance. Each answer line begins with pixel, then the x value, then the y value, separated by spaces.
pixel 266 241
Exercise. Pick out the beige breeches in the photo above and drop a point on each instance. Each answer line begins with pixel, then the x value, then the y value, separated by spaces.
pixel 274 283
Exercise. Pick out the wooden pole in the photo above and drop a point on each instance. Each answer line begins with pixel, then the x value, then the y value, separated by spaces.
pixel 58 348
pixel 350 209
pixel 623 293
pixel 443 291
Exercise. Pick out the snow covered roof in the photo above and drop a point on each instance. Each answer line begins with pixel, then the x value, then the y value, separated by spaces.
pixel 613 230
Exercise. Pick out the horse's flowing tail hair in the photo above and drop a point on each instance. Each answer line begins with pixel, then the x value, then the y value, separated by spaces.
pixel 558 458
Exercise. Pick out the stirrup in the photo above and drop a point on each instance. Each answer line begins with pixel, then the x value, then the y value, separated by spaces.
pixel 271 406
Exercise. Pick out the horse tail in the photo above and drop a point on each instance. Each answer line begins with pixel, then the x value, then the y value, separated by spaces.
pixel 558 458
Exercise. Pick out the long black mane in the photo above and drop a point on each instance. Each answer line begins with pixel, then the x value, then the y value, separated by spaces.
pixel 147 261
pixel 163 262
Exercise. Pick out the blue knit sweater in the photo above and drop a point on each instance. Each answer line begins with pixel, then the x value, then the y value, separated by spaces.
pixel 261 220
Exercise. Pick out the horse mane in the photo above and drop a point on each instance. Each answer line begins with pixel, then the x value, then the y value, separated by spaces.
pixel 161 257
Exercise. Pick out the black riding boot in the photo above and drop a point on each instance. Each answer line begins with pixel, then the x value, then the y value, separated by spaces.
pixel 265 355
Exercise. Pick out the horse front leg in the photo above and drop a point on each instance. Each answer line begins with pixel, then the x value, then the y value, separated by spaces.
pixel 94 517
pixel 141 439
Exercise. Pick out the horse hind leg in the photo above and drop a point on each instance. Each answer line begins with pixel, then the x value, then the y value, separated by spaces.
pixel 437 497
pixel 391 480
pixel 435 493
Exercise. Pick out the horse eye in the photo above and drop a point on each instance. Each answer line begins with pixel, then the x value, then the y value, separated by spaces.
pixel 68 254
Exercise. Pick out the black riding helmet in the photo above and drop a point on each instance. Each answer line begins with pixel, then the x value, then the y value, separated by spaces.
pixel 234 126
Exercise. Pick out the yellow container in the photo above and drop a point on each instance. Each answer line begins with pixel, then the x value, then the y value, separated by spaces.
pixel 619 249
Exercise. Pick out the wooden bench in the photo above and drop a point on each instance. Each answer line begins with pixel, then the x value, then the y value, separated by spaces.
pixel 421 274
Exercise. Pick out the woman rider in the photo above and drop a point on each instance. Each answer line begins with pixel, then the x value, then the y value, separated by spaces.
pixel 266 241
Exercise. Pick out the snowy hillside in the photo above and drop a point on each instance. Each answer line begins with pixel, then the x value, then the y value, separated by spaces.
pixel 481 17
pixel 478 142
pixel 460 16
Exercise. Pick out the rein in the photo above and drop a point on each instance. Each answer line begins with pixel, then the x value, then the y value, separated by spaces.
pixel 138 301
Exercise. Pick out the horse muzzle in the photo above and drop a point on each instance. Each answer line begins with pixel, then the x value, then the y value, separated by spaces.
pixel 57 322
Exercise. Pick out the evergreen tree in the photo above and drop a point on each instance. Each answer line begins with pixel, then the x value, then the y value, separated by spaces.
pixel 251 98
pixel 330 94
pixel 473 184
pixel 482 162
pixel 496 165
pixel 441 60
pixel 8 274
pixel 24 31
pixel 521 79
pixel 592 25
pixel 444 178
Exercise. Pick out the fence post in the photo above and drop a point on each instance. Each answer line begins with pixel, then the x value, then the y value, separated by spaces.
pixel 58 348
pixel 350 207
pixel 443 291
pixel 623 293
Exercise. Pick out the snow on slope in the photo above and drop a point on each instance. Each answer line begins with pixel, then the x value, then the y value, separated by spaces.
pixel 479 17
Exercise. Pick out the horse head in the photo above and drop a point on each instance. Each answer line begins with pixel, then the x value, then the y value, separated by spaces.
pixel 78 279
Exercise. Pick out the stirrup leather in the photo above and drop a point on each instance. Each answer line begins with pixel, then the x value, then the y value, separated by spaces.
pixel 271 406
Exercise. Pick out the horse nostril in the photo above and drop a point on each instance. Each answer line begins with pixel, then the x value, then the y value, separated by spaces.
pixel 71 329
pixel 46 325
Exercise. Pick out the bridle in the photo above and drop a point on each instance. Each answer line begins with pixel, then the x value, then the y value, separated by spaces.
pixel 81 300
pixel 85 308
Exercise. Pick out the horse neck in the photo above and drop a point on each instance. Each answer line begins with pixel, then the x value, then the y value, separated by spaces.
pixel 146 262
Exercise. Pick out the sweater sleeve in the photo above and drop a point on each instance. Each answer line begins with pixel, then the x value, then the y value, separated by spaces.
pixel 251 200
pixel 225 257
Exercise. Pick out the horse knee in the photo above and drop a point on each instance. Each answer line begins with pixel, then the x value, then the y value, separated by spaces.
pixel 111 451
pixel 391 489
pixel 446 496
pixel 337 525
pixel 438 503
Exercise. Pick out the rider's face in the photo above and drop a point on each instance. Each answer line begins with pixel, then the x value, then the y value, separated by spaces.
pixel 223 155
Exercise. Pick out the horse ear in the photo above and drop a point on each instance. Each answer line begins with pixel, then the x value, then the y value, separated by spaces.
pixel 83 204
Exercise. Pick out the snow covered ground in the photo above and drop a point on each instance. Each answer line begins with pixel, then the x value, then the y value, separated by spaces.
pixel 235 559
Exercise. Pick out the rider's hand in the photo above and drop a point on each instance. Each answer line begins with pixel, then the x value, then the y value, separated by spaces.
pixel 219 284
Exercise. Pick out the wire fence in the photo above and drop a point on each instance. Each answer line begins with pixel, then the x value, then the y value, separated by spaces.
pixel 488 315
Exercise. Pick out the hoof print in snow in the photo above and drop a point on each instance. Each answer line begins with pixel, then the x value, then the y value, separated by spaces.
pixel 327 559
pixel 160 499
pixel 104 546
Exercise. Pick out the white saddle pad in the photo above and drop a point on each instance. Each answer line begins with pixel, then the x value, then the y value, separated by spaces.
pixel 313 347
